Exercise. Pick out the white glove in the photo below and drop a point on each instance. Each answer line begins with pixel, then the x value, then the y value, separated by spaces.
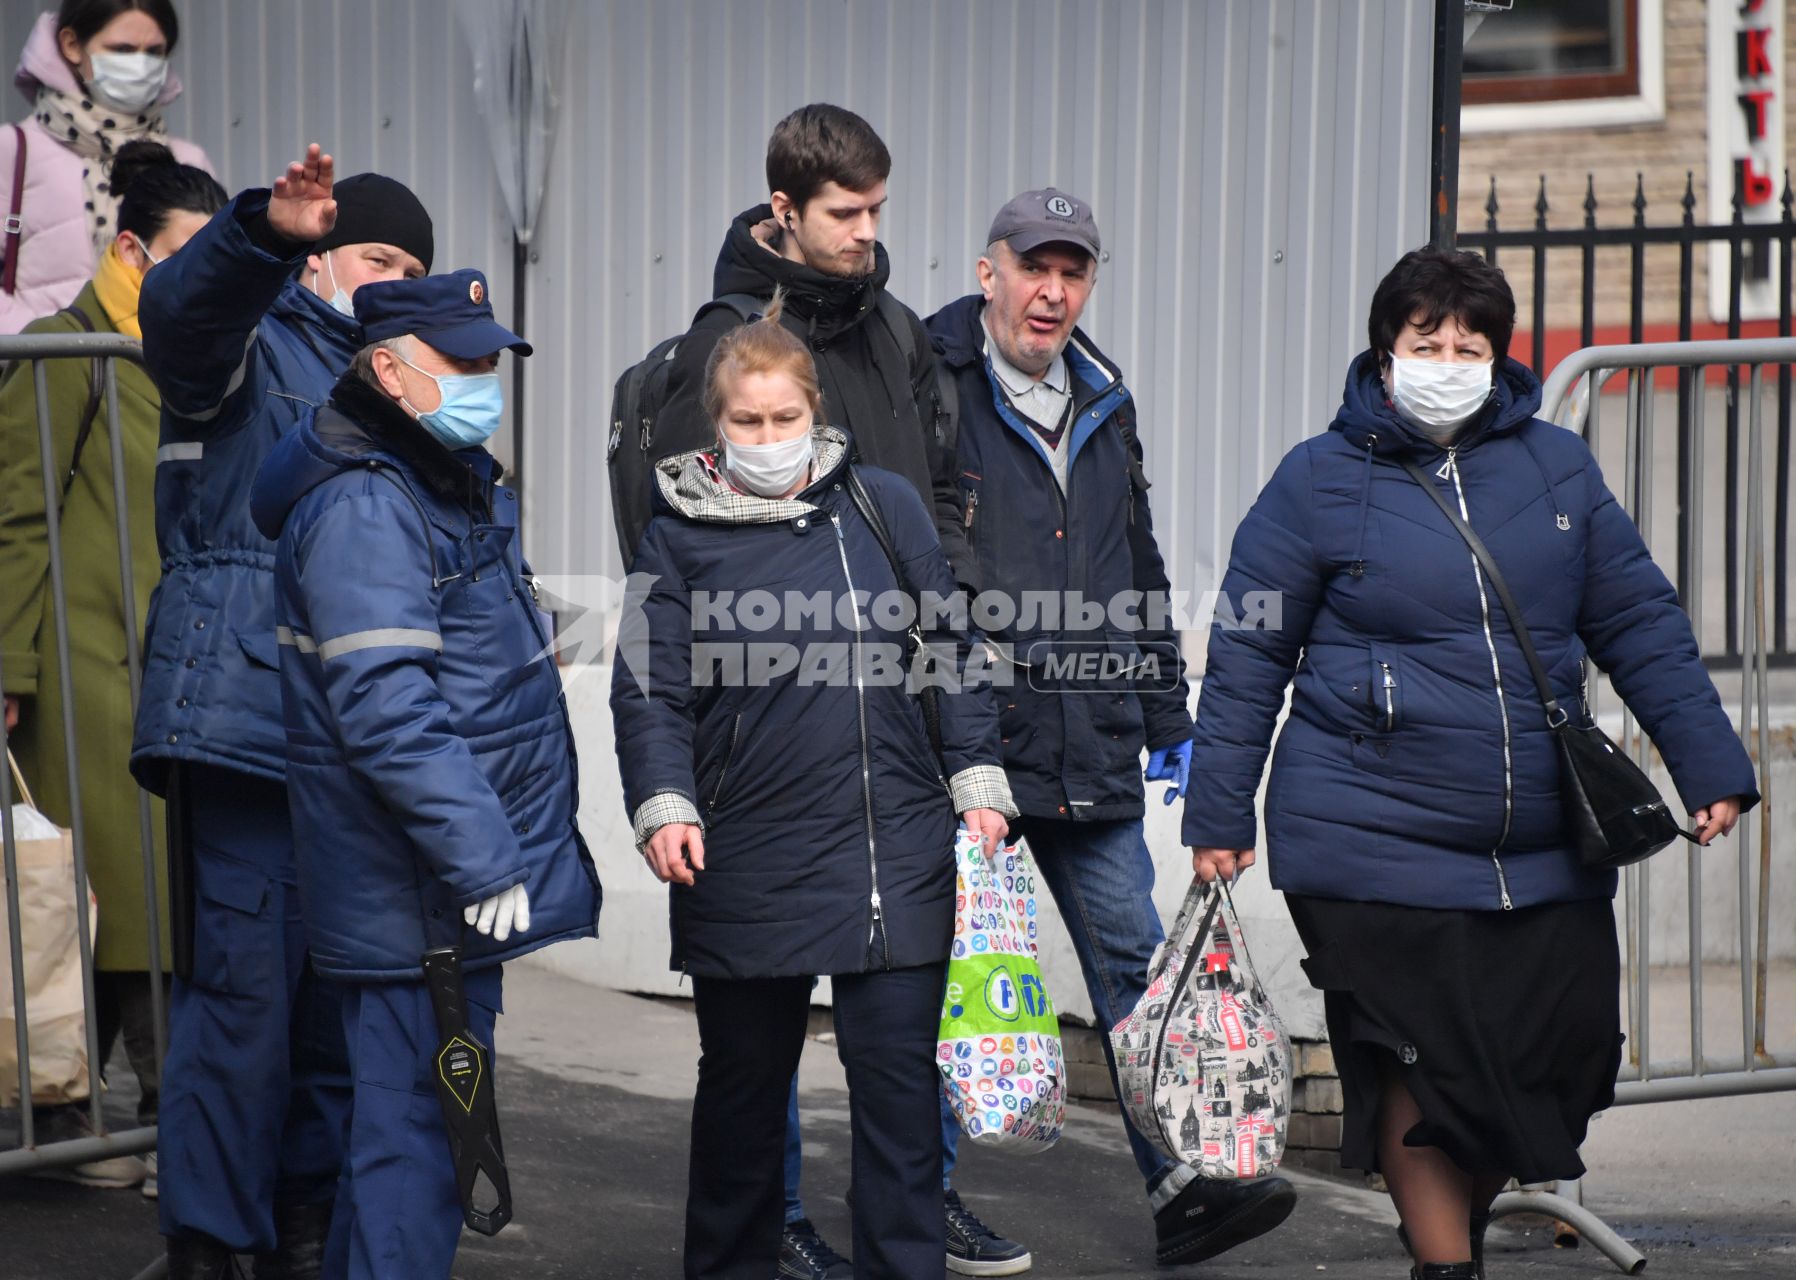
pixel 505 911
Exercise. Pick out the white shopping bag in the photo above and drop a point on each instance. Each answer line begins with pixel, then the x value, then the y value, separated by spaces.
pixel 50 941
pixel 1203 1063
pixel 999 1048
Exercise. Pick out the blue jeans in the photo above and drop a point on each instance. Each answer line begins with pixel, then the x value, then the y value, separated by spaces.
pixel 1101 876
pixel 795 1151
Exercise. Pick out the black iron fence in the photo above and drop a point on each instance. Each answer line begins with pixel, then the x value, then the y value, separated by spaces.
pixel 1756 251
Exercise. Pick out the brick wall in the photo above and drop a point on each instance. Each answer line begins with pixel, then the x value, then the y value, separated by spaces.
pixel 1661 153
pixel 1313 1139
pixel 1313 1136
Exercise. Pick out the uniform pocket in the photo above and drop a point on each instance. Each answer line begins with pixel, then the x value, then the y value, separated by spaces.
pixel 260 649
pixel 232 942
pixel 499 611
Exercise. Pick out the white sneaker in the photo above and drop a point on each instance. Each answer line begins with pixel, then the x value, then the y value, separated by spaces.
pixel 149 1183
pixel 108 1172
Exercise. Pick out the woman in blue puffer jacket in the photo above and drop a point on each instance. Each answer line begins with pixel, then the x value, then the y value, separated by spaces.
pixel 1468 960
pixel 781 778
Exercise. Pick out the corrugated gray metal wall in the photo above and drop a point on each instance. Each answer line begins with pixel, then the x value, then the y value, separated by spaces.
pixel 1254 164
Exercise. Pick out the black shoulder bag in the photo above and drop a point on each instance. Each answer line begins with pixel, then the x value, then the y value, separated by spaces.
pixel 929 697
pixel 1612 809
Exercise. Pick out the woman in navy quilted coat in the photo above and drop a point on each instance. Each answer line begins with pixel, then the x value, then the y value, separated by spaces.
pixel 802 818
pixel 1468 961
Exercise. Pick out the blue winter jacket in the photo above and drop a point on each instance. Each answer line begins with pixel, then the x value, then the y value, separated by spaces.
pixel 828 822
pixel 1072 745
pixel 430 763
pixel 240 351
pixel 1408 772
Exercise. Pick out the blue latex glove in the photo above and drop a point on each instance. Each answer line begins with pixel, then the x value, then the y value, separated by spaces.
pixel 1171 764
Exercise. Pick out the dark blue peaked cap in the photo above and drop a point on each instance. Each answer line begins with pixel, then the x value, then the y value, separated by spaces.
pixel 451 312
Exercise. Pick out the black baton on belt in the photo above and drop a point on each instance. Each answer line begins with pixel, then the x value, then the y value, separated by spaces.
pixel 181 877
pixel 464 1072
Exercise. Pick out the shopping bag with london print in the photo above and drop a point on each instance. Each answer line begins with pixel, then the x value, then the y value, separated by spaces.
pixel 1203 1063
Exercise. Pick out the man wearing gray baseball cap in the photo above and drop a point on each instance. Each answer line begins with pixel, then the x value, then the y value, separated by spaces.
pixel 1054 500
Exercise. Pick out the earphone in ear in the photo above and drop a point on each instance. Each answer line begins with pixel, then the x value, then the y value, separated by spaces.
pixel 788 222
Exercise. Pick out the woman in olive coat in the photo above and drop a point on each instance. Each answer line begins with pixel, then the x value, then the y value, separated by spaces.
pixel 163 203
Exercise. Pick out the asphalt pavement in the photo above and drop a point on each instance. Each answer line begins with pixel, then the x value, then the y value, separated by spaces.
pixel 595 1090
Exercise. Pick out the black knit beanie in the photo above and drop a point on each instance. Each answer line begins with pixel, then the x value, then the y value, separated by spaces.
pixel 374 209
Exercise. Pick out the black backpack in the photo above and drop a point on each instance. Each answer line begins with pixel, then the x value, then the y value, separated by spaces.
pixel 641 394
pixel 636 402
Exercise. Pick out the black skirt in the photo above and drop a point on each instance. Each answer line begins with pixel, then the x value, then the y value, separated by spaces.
pixel 1505 1025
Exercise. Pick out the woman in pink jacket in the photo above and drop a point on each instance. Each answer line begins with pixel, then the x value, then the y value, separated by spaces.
pixel 96 75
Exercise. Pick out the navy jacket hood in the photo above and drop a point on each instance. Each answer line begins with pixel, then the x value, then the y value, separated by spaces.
pixel 1416 765
pixel 364 426
pixel 1366 410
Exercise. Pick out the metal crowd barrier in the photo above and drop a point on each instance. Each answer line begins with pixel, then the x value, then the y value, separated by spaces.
pixel 1699 1075
pixel 106 350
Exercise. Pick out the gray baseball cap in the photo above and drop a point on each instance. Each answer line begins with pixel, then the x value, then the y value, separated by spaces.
pixel 1043 217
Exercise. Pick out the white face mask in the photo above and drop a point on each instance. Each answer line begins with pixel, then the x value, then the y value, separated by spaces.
pixel 1438 396
pixel 131 81
pixel 339 299
pixel 769 470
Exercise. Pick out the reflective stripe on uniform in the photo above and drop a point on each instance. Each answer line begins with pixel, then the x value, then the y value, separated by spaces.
pixel 286 635
pixel 380 638
pixel 191 451
pixel 231 387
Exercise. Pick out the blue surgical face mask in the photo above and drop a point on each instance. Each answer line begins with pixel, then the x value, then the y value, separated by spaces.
pixel 473 407
pixel 339 299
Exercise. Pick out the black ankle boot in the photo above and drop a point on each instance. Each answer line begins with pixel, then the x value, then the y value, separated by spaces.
pixel 1445 1271
pixel 300 1232
pixel 199 1257
pixel 1480 1224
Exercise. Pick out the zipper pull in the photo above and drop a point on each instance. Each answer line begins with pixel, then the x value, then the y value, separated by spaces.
pixel 972 508
pixel 874 929
pixel 1447 467
pixel 530 580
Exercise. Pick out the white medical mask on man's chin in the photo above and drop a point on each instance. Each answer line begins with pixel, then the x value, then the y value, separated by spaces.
pixel 340 300
pixel 1437 396
pixel 769 470
pixel 131 81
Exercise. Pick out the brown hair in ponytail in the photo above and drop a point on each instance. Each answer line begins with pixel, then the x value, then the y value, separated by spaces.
pixel 761 346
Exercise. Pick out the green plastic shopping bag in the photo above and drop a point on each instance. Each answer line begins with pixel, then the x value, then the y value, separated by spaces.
pixel 999 1048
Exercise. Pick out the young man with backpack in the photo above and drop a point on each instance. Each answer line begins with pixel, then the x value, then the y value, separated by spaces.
pixel 816 239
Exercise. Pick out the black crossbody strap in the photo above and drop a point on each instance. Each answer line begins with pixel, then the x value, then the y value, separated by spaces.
pixel 1556 714
pixel 931 706
pixel 89 413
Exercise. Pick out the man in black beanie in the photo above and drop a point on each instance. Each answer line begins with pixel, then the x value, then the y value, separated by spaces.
pixel 245 332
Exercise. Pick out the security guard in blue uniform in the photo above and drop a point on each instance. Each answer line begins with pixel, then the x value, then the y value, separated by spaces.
pixel 431 762
pixel 244 331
